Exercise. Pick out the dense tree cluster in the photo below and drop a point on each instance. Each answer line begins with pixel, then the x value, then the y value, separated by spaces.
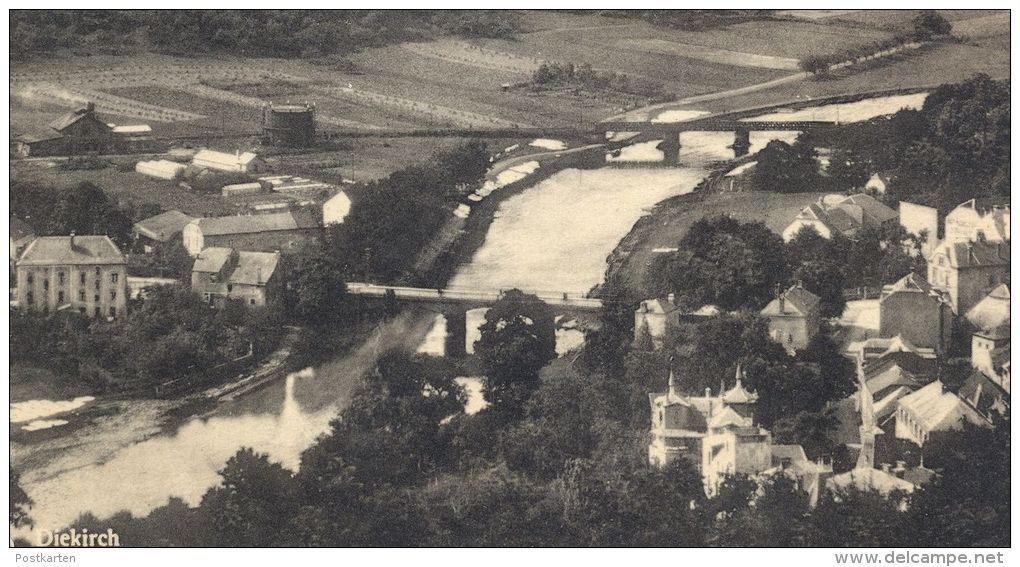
pixel 398 216
pixel 84 209
pixel 734 265
pixel 183 337
pixel 786 168
pixel 274 33
pixel 956 147
pixel 568 74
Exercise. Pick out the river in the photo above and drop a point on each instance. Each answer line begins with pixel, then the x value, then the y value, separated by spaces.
pixel 555 236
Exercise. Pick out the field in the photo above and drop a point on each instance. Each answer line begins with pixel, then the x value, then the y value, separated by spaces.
pixel 450 82
pixel 460 83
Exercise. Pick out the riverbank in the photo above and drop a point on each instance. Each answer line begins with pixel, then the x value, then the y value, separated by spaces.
pixel 628 266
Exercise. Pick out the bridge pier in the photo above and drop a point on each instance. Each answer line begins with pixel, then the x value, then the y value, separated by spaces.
pixel 670 148
pixel 741 142
pixel 456 331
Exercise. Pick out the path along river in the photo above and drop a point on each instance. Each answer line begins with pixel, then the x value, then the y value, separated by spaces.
pixel 553 236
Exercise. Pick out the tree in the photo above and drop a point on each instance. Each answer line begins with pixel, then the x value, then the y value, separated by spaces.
pixel 20 502
pixel 518 338
pixel 316 292
pixel 848 170
pixel 254 498
pixel 786 168
pixel 929 24
pixel 810 430
pixel 724 262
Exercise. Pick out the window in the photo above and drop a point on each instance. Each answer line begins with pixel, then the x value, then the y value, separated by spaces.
pixel 252 300
pixel 113 312
pixel 81 310
pixel 113 277
pixel 97 272
pixel 60 278
pixel 230 288
pixel 81 277
pixel 113 294
pixel 81 295
pixel 46 284
pixel 96 298
pixel 31 278
pixel 207 297
pixel 97 284
pixel 29 298
pixel 98 312
pixel 60 296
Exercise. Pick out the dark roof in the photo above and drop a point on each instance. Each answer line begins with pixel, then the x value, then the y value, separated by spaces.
pixel 983 394
pixel 977 254
pixel 163 226
pixel 70 118
pixel 801 301
pixel 59 251
pixel 872 207
pixel 37 136
pixel 910 362
pixel 20 229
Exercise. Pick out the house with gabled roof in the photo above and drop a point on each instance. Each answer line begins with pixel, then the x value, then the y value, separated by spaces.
pixel 223 274
pixel 847 217
pixel 794 317
pixel 917 312
pixel 161 228
pixel 932 409
pixel 285 232
pixel 968 271
pixel 656 319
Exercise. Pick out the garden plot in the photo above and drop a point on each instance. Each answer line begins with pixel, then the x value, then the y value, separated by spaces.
pixel 983 27
pixel 441 115
pixel 466 53
pixel 206 91
pixel 713 55
pixel 105 102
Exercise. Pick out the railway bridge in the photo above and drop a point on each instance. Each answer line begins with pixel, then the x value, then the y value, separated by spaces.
pixel 741 127
pixel 464 308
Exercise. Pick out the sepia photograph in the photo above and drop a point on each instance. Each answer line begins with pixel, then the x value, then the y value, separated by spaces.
pixel 512 277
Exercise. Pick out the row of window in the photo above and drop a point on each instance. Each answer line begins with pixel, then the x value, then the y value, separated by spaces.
pixel 30 297
pixel 62 278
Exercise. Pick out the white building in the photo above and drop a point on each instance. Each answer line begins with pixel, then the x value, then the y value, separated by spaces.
pixel 979 219
pixel 247 162
pixel 336 209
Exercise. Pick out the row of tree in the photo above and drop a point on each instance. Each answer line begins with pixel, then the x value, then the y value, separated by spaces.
pixel 263 33
pixel 582 75
pixel 926 25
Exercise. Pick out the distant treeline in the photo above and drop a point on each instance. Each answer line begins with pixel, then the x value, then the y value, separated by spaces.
pixel 252 33
pixel 689 20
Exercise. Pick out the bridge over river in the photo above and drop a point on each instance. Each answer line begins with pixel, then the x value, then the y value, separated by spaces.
pixel 473 297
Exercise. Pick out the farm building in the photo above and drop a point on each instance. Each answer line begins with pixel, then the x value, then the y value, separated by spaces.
pixel 221 274
pixel 289 125
pixel 160 169
pixel 247 162
pixel 83 131
pixel 161 228
pixel 37 144
pixel 262 233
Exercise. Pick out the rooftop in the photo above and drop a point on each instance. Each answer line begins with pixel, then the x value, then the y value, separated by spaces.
pixel 71 251
pixel 935 407
pixel 793 301
pixel 992 311
pixel 163 226
pixel 20 229
pixel 247 224
pixel 975 254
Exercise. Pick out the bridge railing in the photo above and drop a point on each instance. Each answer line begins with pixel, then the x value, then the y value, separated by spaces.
pixel 469 294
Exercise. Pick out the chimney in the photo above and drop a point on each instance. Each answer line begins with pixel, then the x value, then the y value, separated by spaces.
pixel 90 106
pixel 72 240
pixel 671 298
pixel 885 467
